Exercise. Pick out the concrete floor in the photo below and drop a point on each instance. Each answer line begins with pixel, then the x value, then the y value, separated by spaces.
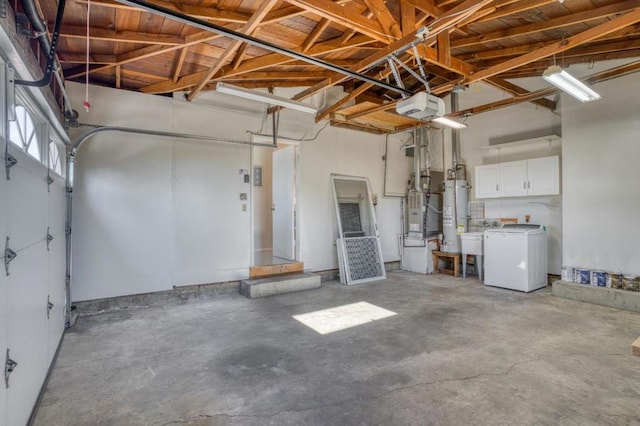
pixel 456 353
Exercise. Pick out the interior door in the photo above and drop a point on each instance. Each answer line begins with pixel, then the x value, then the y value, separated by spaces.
pixel 284 202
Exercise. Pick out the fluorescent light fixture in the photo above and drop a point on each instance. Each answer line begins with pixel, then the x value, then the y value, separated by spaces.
pixel 268 98
pixel 568 83
pixel 450 123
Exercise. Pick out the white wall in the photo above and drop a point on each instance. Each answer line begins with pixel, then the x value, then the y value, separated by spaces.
pixel 151 213
pixel 514 123
pixel 601 196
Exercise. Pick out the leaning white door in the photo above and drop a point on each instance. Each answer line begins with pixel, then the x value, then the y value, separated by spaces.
pixel 283 202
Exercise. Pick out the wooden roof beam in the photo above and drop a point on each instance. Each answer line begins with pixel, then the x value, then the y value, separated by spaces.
pixel 512 9
pixel 313 36
pixel 563 21
pixel 248 29
pixel 255 64
pixel 179 62
pixel 384 17
pixel 207 13
pixel 105 34
pixel 557 47
pixel 344 16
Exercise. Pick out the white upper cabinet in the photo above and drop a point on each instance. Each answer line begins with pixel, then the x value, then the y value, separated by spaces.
pixel 539 176
pixel 544 176
pixel 513 179
pixel 487 181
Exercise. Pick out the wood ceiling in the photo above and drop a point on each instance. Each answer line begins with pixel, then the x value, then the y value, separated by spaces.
pixel 493 41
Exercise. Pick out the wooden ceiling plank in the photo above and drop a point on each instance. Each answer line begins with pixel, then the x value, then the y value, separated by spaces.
pixel 560 46
pixel 562 21
pixel 179 63
pixel 428 7
pixel 81 58
pixel 512 9
pixel 343 16
pixel 282 75
pixel 385 18
pixel 248 29
pixel 105 34
pixel 207 13
pixel 313 36
pixel 255 64
pixel 148 51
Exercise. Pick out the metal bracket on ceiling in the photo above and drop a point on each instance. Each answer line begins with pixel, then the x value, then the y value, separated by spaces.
pixel 9 255
pixel 9 366
pixel 396 75
pixel 9 162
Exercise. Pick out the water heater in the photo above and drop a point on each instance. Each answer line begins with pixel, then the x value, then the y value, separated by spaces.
pixel 454 214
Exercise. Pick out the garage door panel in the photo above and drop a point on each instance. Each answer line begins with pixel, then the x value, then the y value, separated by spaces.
pixel 57 207
pixel 27 207
pixel 3 296
pixel 56 293
pixel 28 330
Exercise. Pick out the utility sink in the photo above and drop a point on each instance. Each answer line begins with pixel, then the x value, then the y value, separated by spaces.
pixel 472 243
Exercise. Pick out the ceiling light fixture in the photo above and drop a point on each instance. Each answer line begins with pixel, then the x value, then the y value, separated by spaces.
pixel 450 123
pixel 268 98
pixel 568 83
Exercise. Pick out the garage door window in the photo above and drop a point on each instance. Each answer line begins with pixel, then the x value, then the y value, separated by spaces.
pixel 22 132
pixel 54 158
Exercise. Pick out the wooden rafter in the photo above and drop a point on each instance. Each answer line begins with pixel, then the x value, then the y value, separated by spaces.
pixel 313 36
pixel 560 46
pixel 248 29
pixel 563 21
pixel 105 34
pixel 255 64
pixel 385 18
pixel 343 16
pixel 180 61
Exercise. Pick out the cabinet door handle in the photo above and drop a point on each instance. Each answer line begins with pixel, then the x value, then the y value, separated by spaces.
pixel 496 187
pixel 529 185
pixel 524 185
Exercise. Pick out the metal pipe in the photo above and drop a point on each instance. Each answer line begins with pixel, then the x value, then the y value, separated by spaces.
pixel 40 29
pixel 209 26
pixel 99 129
pixel 416 159
pixel 455 135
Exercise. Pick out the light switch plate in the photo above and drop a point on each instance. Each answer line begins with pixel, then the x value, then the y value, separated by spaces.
pixel 257 175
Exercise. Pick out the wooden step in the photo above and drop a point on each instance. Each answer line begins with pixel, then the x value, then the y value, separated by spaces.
pixel 280 284
pixel 264 271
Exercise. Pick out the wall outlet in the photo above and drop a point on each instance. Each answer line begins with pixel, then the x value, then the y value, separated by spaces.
pixel 243 196
pixel 244 207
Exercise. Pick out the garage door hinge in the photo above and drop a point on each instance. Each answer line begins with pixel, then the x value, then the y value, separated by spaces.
pixel 9 255
pixel 9 162
pixel 49 305
pixel 49 238
pixel 67 230
pixel 49 182
pixel 9 366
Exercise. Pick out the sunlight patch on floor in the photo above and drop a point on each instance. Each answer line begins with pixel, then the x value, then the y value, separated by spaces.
pixel 342 317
